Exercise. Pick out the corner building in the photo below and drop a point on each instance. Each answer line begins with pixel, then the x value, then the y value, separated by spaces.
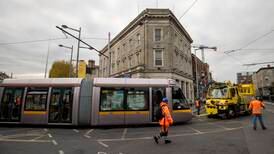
pixel 153 45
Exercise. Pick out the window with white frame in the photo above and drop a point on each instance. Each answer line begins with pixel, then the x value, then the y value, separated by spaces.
pixel 158 57
pixel 157 34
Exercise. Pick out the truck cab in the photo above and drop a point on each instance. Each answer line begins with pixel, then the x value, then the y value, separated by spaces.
pixel 222 100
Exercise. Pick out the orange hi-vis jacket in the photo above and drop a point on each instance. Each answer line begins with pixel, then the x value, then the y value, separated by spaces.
pixel 167 119
pixel 197 104
pixel 256 106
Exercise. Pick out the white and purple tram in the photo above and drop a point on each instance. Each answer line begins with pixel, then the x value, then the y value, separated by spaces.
pixel 86 102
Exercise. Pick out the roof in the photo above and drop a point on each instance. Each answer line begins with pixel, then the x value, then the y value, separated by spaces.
pixel 148 13
pixel 42 82
pixel 133 82
pixel 265 68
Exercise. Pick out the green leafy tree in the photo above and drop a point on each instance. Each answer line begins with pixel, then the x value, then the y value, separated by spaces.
pixel 59 69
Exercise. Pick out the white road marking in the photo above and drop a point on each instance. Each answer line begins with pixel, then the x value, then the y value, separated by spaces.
pixel 103 144
pixel 269 110
pixel 36 138
pixel 46 130
pixel 197 131
pixel 54 142
pixel 77 131
pixel 61 152
pixel 15 140
pixel 50 136
pixel 19 135
pixel 87 136
pixel 88 132
pixel 219 126
pixel 101 153
pixel 124 133
pixel 269 103
pixel 171 136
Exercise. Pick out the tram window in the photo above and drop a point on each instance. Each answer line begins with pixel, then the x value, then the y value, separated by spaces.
pixel 60 107
pixel 178 99
pixel 10 107
pixel 112 100
pixel 137 99
pixel 36 99
pixel 157 95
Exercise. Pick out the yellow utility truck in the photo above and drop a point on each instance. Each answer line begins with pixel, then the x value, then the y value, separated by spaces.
pixel 228 100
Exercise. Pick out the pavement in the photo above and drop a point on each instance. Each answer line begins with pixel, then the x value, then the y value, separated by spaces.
pixel 200 136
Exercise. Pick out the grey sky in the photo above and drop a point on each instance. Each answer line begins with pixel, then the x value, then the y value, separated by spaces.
pixel 227 24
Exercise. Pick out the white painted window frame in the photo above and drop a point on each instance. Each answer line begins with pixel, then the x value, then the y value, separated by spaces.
pixel 154 57
pixel 154 34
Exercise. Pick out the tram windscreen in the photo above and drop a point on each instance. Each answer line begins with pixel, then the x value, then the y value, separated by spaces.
pixel 178 99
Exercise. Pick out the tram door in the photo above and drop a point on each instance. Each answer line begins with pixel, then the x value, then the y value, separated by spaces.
pixel 11 103
pixel 60 107
pixel 157 95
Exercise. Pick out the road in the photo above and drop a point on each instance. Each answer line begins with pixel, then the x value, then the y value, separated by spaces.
pixel 201 135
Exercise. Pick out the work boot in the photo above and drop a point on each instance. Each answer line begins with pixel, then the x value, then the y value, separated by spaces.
pixel 264 128
pixel 167 141
pixel 156 139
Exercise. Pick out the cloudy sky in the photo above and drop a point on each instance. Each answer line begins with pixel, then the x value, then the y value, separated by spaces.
pixel 27 25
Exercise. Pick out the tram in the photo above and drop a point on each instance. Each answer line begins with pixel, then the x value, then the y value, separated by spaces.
pixel 89 102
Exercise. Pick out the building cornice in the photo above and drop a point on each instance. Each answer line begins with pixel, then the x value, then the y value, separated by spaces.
pixel 140 20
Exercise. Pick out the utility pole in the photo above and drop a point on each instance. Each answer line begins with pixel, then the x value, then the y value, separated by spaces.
pixel 47 61
pixel 196 74
pixel 77 58
pixel 109 54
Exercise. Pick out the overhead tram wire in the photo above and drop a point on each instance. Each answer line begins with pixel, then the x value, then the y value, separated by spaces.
pixel 269 49
pixel 249 43
pixel 188 9
pixel 46 40
pixel 253 64
pixel 31 41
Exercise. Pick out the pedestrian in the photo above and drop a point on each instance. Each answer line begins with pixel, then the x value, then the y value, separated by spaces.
pixel 164 122
pixel 256 107
pixel 198 106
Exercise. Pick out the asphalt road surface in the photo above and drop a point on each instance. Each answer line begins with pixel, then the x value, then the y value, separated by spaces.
pixel 200 136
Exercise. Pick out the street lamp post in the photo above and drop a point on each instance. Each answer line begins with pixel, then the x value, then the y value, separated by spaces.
pixel 70 65
pixel 196 75
pixel 78 47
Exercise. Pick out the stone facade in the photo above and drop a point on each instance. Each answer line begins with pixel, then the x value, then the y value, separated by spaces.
pixel 153 45
pixel 263 80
